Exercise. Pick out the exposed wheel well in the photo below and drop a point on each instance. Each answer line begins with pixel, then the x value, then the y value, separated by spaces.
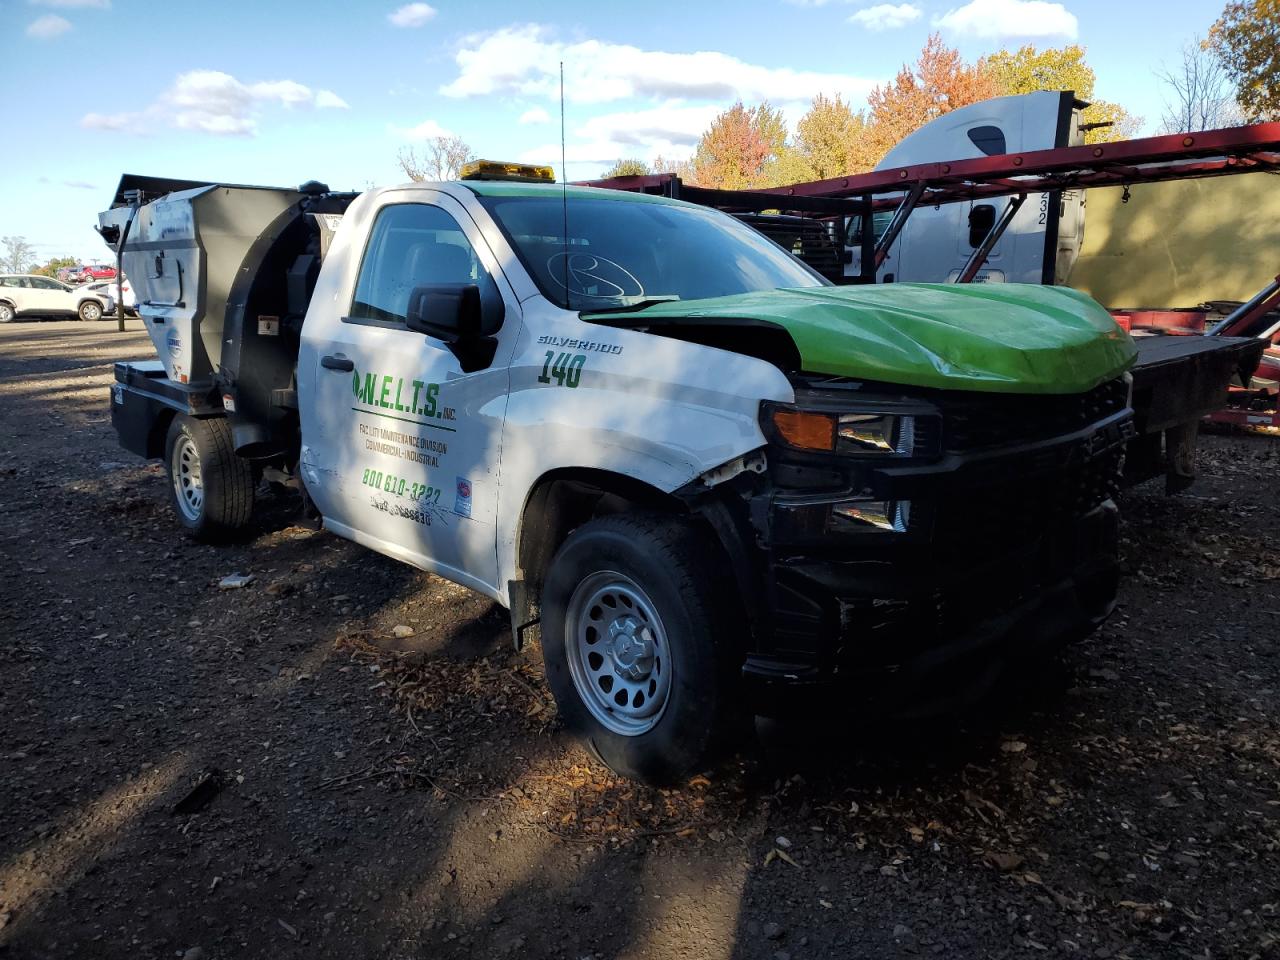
pixel 559 503
pixel 158 433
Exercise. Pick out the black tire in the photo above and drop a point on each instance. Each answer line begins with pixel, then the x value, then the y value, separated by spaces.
pixel 7 313
pixel 680 569
pixel 90 311
pixel 225 481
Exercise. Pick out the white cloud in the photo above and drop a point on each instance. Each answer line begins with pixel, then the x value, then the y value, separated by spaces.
pixel 111 121
pixel 426 130
pixel 214 102
pixel 49 26
pixel 72 4
pixel 1000 19
pixel 887 16
pixel 534 115
pixel 671 131
pixel 328 100
pixel 524 61
pixel 660 128
pixel 412 15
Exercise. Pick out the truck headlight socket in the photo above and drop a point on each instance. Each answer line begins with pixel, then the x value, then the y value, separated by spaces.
pixel 870 433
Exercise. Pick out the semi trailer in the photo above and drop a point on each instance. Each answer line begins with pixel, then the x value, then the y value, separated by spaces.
pixel 709 480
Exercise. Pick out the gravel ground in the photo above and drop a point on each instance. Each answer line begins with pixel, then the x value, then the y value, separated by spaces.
pixel 362 790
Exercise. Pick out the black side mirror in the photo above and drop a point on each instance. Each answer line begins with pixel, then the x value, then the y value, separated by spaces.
pixel 461 315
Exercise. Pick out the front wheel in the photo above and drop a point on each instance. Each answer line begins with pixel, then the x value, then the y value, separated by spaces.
pixel 90 311
pixel 211 488
pixel 7 313
pixel 640 629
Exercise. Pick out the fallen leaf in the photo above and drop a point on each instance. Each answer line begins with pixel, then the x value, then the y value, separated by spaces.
pixel 1003 861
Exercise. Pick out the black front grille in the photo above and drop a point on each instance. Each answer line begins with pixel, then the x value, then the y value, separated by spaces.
pixel 990 519
pixel 976 421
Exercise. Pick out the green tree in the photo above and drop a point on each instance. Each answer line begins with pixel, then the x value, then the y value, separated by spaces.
pixel 789 165
pixel 627 168
pixel 1246 39
pixel 831 136
pixel 18 256
pixel 1027 70
pixel 51 268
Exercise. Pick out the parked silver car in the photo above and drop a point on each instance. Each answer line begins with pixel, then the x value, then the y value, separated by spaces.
pixel 29 295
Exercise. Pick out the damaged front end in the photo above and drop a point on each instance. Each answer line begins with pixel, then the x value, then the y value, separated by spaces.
pixel 903 546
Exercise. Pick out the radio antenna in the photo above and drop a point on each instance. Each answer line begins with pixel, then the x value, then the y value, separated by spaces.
pixel 564 195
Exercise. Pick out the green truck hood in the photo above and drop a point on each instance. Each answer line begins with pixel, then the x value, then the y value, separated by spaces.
pixel 994 337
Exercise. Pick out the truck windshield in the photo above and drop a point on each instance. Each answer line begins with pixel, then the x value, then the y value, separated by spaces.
pixel 622 252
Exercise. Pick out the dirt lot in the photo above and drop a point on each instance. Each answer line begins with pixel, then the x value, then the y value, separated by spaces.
pixel 375 795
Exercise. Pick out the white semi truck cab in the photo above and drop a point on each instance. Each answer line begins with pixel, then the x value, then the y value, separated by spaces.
pixel 711 482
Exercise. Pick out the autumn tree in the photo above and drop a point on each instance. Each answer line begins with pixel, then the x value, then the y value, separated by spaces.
pixel 627 168
pixel 939 82
pixel 680 168
pixel 832 138
pixel 733 152
pixel 1028 70
pixel 1246 41
pixel 441 159
pixel 1200 95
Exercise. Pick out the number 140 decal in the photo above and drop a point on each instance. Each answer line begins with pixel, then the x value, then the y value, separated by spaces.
pixel 566 368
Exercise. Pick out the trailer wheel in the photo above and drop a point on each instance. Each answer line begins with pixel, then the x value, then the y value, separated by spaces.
pixel 7 313
pixel 639 623
pixel 211 488
pixel 90 310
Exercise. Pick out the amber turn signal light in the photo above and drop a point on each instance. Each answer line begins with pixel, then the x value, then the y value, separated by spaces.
pixel 808 431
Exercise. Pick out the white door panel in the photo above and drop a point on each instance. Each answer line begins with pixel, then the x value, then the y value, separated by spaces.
pixel 403 446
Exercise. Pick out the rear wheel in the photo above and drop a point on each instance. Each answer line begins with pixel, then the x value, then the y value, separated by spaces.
pixel 639 630
pixel 211 488
pixel 7 313
pixel 90 310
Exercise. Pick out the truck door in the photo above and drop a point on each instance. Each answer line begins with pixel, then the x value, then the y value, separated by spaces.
pixel 401 446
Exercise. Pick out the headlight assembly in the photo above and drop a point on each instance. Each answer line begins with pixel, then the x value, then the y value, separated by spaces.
pixel 868 433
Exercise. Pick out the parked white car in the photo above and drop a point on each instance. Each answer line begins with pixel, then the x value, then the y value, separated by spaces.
pixel 29 295
pixel 109 290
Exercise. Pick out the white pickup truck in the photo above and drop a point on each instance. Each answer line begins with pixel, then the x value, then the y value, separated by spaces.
pixel 711 482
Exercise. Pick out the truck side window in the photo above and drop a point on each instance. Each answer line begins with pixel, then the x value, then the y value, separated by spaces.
pixel 990 140
pixel 981 219
pixel 411 244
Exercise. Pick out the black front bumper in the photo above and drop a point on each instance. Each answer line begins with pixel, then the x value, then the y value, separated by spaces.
pixel 902 642
pixel 1011 550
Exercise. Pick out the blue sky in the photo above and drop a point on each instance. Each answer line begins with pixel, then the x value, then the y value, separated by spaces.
pixel 281 91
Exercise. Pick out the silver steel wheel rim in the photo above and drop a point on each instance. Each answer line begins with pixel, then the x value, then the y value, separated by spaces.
pixel 187 483
pixel 619 655
pixel 6 312
pixel 92 311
